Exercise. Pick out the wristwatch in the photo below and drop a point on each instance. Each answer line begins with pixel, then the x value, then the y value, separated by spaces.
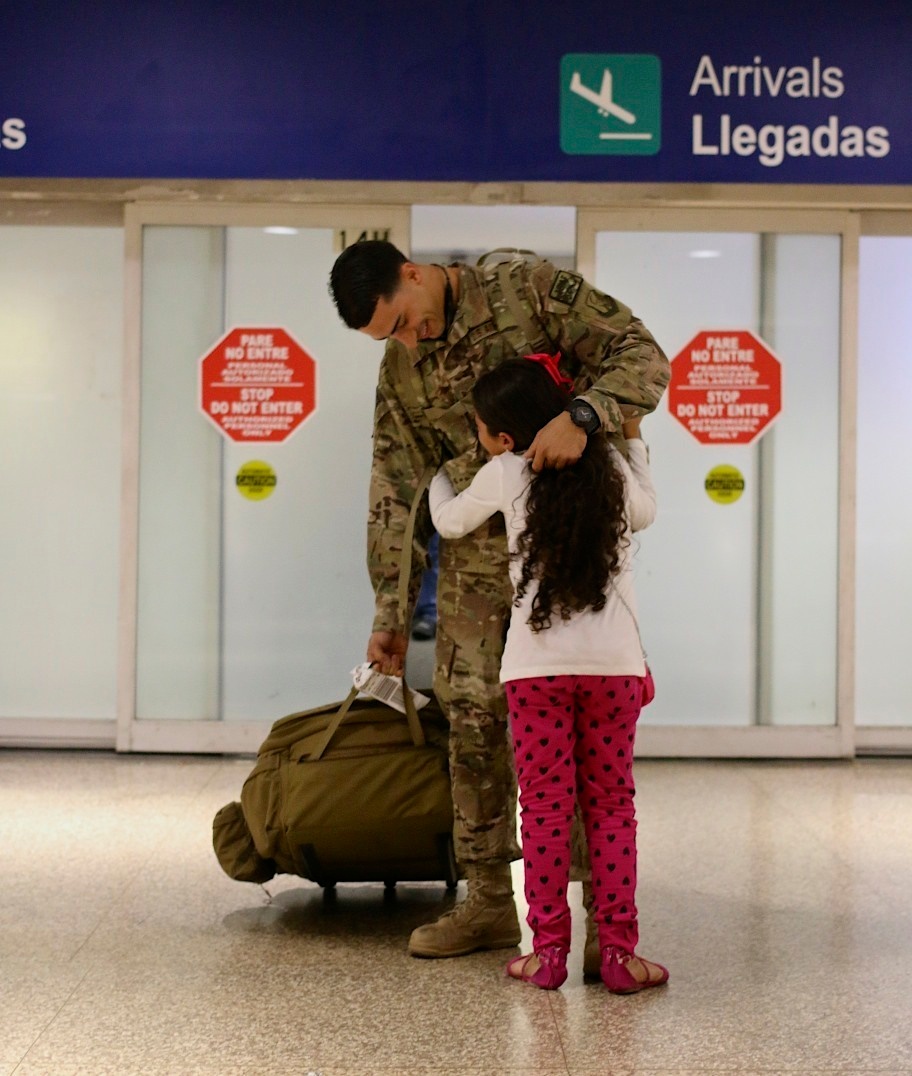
pixel 584 415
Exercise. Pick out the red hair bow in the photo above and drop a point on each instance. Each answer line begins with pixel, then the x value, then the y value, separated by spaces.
pixel 550 364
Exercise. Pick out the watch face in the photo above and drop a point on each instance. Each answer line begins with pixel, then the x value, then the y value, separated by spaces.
pixel 584 416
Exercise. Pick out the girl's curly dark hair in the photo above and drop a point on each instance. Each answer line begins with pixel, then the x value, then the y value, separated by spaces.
pixel 575 519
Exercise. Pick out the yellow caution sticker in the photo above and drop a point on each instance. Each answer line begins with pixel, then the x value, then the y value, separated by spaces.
pixel 255 480
pixel 724 484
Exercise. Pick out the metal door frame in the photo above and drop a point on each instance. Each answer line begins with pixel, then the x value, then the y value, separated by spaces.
pixel 85 733
pixel 175 735
pixel 884 739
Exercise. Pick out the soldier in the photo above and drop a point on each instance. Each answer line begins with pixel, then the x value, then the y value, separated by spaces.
pixel 445 326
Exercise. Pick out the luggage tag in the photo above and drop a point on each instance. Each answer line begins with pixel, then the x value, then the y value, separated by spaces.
pixel 385 688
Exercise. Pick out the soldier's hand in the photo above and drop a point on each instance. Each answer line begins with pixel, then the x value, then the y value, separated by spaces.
pixel 558 444
pixel 386 650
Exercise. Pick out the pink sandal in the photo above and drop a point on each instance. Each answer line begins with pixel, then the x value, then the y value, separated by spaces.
pixel 616 974
pixel 550 973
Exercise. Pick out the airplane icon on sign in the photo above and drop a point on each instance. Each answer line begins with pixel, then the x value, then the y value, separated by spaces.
pixel 592 120
pixel 604 99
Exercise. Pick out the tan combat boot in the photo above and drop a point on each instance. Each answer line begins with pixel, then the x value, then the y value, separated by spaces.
pixel 486 919
pixel 592 954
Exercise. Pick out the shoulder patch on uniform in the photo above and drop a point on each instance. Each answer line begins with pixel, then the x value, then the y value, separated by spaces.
pixel 604 304
pixel 566 287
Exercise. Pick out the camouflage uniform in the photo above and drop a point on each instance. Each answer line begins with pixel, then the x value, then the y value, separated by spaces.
pixel 424 417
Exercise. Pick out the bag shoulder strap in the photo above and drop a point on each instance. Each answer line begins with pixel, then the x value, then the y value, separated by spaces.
pixel 532 331
pixel 406 387
pixel 404 378
pixel 405 565
pixel 530 326
pixel 513 253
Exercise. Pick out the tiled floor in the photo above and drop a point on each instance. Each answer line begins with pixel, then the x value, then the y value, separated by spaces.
pixel 778 895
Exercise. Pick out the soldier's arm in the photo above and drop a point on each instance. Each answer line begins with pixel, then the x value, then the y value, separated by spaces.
pixel 399 458
pixel 625 368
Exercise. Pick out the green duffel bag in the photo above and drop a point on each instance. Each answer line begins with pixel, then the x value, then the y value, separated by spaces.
pixel 351 791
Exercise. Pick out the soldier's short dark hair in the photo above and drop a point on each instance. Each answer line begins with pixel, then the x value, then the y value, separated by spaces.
pixel 364 273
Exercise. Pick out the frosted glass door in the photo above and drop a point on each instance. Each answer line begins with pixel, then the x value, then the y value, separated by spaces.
pixel 884 573
pixel 61 355
pixel 739 600
pixel 248 609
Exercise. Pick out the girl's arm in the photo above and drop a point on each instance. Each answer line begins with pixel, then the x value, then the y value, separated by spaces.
pixel 641 495
pixel 454 515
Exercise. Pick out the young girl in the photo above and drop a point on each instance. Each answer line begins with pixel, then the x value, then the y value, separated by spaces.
pixel 573 665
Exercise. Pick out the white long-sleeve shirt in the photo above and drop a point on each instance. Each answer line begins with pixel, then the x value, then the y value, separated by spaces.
pixel 604 643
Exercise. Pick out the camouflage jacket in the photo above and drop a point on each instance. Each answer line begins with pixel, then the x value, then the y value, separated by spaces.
pixel 424 415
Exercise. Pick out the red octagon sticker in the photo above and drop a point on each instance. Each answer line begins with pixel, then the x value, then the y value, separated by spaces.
pixel 726 386
pixel 257 384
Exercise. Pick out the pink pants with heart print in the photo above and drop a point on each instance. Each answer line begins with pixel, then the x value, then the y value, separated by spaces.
pixel 573 740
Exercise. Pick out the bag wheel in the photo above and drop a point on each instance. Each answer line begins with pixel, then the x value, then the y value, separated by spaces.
pixel 388 883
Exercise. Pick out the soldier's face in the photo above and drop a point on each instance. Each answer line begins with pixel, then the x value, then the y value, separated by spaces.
pixel 414 312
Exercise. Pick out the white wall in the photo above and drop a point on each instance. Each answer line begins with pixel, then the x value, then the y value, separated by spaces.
pixel 550 231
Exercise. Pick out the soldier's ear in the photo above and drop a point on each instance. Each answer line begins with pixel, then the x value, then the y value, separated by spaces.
pixel 410 273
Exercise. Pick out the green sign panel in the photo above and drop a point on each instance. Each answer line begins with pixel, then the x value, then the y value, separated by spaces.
pixel 611 102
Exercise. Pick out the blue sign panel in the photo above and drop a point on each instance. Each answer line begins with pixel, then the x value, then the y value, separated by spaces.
pixel 669 91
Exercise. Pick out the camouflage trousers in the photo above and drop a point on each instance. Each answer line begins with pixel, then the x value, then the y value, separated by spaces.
pixel 474 598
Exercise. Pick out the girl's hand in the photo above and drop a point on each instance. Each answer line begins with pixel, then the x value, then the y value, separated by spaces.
pixel 631 428
pixel 558 444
